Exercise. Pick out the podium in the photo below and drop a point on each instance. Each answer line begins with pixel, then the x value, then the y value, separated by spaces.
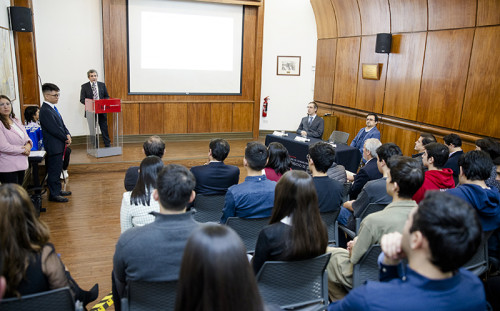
pixel 111 106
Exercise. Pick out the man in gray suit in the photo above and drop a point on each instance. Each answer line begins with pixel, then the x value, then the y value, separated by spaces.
pixel 312 125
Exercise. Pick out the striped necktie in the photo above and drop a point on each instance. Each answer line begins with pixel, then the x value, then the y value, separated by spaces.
pixel 310 120
pixel 94 90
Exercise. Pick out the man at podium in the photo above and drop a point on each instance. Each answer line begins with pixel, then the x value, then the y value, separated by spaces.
pixel 96 90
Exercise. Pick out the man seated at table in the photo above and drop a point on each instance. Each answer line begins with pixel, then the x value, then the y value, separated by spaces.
pixel 253 198
pixel 321 157
pixel 367 172
pixel 370 131
pixel 215 177
pixel 439 236
pixel 312 125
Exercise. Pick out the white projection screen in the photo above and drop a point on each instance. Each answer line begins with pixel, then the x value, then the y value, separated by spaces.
pixel 184 47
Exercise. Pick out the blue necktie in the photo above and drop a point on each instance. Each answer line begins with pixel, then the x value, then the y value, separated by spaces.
pixel 310 120
pixel 55 108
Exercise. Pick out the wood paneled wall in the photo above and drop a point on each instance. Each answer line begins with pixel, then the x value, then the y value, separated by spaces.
pixel 166 114
pixel 440 77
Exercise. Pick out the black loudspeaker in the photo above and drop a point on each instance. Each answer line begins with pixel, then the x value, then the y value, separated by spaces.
pixel 20 19
pixel 384 41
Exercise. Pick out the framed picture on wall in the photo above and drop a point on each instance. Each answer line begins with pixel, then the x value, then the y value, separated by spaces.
pixel 288 66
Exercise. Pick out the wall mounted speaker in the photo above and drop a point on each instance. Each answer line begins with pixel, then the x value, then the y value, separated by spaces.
pixel 20 19
pixel 384 41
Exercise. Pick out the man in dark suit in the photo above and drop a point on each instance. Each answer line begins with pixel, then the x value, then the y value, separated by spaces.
pixel 215 177
pixel 454 144
pixel 369 171
pixel 312 125
pixel 96 90
pixel 55 138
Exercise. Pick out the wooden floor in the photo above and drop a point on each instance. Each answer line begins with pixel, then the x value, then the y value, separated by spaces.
pixel 85 230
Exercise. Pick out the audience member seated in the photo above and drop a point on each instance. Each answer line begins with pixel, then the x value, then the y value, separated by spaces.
pixel 370 131
pixel 439 237
pixel 278 163
pixel 367 172
pixel 254 197
pixel 404 178
pixel 312 125
pixel 154 145
pixel 31 117
pixel 497 166
pixel 321 157
pixel 215 273
pixel 337 172
pixel 31 264
pixel 15 145
pixel 454 144
pixel 491 147
pixel 215 177
pixel 436 177
pixel 374 191
pixel 153 252
pixel 138 204
pixel 296 230
pixel 423 139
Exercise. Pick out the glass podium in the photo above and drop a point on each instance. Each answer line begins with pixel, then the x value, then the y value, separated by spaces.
pixel 111 106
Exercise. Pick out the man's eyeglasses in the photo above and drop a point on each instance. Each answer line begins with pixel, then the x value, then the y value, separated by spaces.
pixel 55 95
pixel 368 119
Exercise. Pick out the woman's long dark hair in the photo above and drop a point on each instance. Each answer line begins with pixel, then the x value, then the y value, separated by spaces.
pixel 215 273
pixel 295 196
pixel 22 234
pixel 279 160
pixel 5 120
pixel 29 113
pixel 149 169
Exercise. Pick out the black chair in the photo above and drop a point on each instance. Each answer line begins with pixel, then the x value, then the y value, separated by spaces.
pixel 339 137
pixel 367 268
pixel 329 219
pixel 294 284
pixel 145 296
pixel 478 264
pixel 58 299
pixel 345 194
pixel 371 208
pixel 248 229
pixel 209 207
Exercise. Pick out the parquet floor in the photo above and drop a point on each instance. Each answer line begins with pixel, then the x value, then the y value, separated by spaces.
pixel 85 230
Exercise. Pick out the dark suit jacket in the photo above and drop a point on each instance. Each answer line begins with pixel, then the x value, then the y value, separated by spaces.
pixel 316 128
pixel 215 177
pixel 86 92
pixel 452 163
pixel 53 130
pixel 365 174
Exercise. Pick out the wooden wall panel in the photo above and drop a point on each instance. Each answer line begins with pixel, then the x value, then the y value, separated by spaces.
pixel 131 117
pixel 370 93
pixel 348 19
pixel 488 12
pixel 445 14
pixel 404 74
pixel 444 76
pixel 326 22
pixel 349 124
pixel 151 118
pixel 408 16
pixel 221 117
pixel 481 106
pixel 375 16
pixel 175 118
pixel 346 71
pixel 325 70
pixel 198 118
pixel 242 121
pixel 402 137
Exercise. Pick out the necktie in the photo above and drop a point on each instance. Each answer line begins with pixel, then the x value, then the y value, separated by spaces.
pixel 94 90
pixel 55 108
pixel 310 120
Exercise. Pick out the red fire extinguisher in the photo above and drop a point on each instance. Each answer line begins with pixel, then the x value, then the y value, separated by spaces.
pixel 264 107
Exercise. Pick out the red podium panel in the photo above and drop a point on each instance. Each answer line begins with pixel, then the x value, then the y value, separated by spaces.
pixel 109 105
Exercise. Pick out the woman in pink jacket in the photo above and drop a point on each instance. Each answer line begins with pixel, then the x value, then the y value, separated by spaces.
pixel 15 145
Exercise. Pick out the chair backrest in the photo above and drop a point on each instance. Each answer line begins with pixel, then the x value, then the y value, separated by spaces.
pixel 150 296
pixel 339 137
pixel 57 299
pixel 370 209
pixel 248 229
pixel 367 267
pixel 478 264
pixel 294 283
pixel 209 207
pixel 345 194
pixel 329 220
